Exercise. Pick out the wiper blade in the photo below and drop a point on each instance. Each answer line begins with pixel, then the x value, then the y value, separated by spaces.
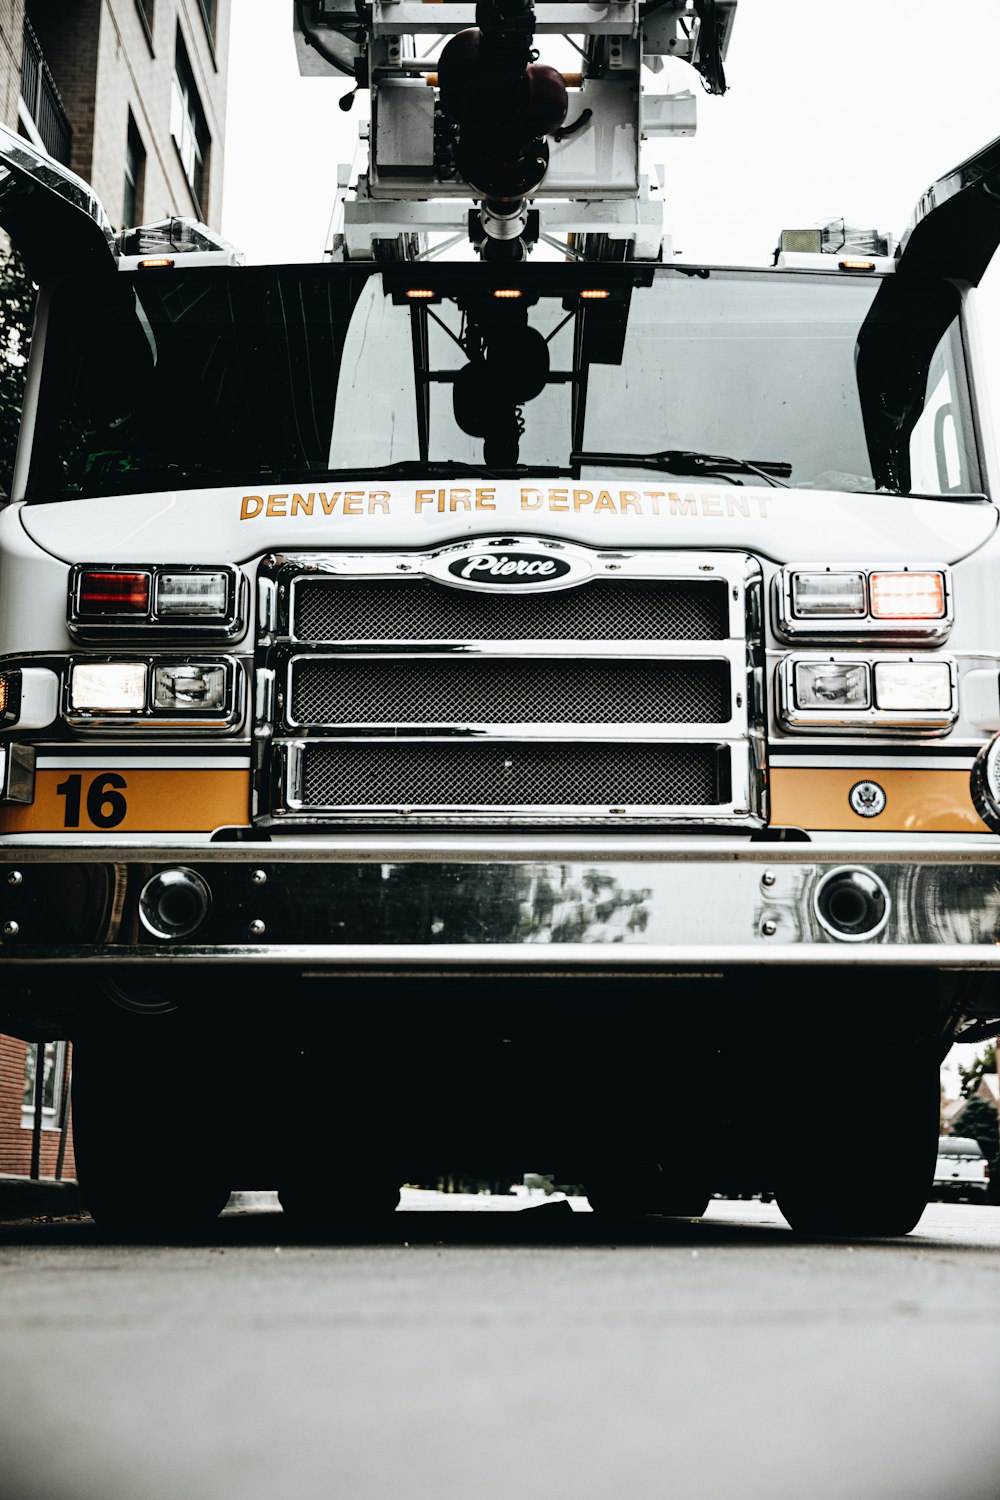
pixel 688 461
pixel 415 468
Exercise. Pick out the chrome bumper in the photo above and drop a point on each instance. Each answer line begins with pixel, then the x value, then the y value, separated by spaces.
pixel 514 903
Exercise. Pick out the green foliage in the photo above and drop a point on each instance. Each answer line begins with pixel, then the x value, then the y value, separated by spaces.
pixel 978 1122
pixel 17 311
pixel 972 1076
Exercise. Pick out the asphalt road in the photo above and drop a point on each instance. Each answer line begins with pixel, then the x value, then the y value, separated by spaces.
pixel 542 1355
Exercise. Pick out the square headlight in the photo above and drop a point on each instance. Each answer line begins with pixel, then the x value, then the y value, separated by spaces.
pixel 828 595
pixel 190 687
pixel 831 685
pixel 191 595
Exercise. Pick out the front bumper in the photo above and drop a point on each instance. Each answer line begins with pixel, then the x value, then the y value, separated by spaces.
pixel 370 904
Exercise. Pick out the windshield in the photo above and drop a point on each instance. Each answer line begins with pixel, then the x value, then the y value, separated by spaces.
pixel 162 380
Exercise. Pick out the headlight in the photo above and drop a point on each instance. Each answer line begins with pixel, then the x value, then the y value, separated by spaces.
pixel 108 686
pixel 831 684
pixel 847 604
pixel 116 602
pixel 149 693
pixel 191 596
pixel 865 695
pixel 186 688
pixel 828 594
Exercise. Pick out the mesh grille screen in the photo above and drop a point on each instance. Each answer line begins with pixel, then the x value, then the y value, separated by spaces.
pixel 497 776
pixel 417 609
pixel 416 691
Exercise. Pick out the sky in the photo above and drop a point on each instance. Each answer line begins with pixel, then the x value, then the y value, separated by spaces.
pixel 832 111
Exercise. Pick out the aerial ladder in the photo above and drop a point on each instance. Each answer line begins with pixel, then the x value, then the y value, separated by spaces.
pixel 474 138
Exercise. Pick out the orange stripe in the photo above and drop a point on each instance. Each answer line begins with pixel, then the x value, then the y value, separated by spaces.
pixel 916 801
pixel 164 801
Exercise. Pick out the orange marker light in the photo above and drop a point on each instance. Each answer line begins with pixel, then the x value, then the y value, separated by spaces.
pixel 507 291
pixel 857 265
pixel 907 596
pixel 155 262
pixel 593 294
pixel 421 294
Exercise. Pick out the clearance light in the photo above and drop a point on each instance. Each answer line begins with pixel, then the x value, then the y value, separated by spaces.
pixel 10 697
pixel 203 596
pixel 507 292
pixel 113 594
pixel 916 685
pixel 155 263
pixel 831 685
pixel 828 594
pixel 857 265
pixel 594 294
pixel 421 294
pixel 907 596
pixel 190 687
pixel 108 686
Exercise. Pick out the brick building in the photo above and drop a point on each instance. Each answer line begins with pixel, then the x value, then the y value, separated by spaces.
pixel 131 94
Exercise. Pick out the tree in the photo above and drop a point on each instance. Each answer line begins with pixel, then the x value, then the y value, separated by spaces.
pixel 17 311
pixel 978 1122
pixel 972 1076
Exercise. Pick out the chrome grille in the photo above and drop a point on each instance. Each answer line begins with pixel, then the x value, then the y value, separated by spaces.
pixel 341 775
pixel 349 690
pixel 416 609
pixel 388 694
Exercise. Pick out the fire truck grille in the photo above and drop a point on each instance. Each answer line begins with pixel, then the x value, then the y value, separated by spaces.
pixel 386 696
pixel 343 775
pixel 338 609
pixel 350 690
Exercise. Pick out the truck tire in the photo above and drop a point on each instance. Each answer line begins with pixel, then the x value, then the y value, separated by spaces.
pixel 642 1191
pixel 143 1162
pixel 309 1212
pixel 825 1192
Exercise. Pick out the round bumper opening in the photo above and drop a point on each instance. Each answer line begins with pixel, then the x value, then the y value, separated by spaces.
pixel 852 904
pixel 174 904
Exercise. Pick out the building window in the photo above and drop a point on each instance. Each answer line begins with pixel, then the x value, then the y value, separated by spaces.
pixel 187 123
pixel 145 9
pixel 135 171
pixel 53 1071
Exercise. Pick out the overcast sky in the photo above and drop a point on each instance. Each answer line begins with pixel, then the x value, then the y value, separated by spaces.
pixel 833 110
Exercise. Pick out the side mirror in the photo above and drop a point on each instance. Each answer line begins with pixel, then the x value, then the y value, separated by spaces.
pixel 53 216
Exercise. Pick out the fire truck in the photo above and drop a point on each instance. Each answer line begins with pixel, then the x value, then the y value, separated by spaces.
pixel 505 695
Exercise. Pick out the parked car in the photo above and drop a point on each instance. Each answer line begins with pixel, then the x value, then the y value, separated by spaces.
pixel 962 1171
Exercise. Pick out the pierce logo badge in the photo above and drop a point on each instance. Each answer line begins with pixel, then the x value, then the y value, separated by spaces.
pixel 867 799
pixel 508 568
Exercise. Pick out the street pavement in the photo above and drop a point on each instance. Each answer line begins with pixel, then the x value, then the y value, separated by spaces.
pixel 534 1351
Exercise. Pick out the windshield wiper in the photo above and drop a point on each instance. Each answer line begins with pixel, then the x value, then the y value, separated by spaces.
pixel 688 461
pixel 430 468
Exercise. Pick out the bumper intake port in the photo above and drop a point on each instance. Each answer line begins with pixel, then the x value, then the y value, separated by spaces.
pixel 174 903
pixel 852 904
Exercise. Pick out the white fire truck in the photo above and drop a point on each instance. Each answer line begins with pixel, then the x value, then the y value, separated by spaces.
pixel 465 713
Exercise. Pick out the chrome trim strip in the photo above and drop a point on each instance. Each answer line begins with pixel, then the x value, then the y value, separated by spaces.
pixel 464 847
pixel 551 958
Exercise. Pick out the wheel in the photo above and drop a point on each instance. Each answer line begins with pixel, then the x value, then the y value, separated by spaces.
pixel 143 1161
pixel 824 1189
pixel 639 1191
pixel 311 1213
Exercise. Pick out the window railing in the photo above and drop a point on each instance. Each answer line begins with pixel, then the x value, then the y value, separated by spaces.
pixel 42 101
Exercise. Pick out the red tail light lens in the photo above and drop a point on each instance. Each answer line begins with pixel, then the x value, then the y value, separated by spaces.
pixel 117 593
